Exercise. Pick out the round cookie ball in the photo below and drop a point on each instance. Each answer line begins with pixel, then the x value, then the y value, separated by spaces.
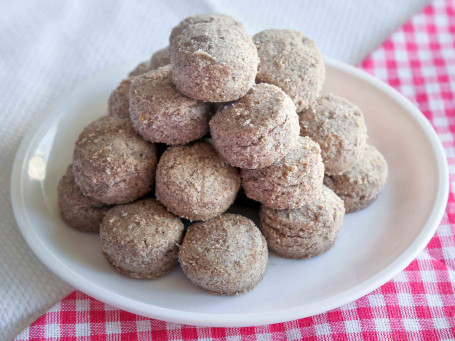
pixel 339 128
pixel 160 113
pixel 306 231
pixel 291 182
pixel 213 62
pixel 77 210
pixel 204 19
pixel 258 129
pixel 141 69
pixel 226 255
pixel 194 183
pixel 141 239
pixel 112 163
pixel 292 62
pixel 160 58
pixel 361 185
pixel 119 101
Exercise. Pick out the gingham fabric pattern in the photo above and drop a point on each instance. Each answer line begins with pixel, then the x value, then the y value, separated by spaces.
pixel 418 304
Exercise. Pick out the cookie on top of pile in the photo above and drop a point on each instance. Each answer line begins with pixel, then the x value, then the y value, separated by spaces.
pixel 231 111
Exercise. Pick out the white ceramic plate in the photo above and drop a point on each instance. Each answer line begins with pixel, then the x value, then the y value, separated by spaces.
pixel 373 246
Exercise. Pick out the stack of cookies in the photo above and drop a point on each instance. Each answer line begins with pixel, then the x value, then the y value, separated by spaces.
pixel 215 111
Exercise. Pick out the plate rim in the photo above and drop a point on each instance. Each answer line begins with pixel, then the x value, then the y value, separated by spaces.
pixel 234 320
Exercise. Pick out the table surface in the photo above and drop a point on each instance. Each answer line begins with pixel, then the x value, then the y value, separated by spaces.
pixel 49 47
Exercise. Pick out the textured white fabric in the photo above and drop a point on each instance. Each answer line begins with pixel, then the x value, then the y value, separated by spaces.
pixel 46 47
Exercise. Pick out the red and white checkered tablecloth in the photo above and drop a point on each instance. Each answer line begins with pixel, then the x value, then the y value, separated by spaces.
pixel 418 304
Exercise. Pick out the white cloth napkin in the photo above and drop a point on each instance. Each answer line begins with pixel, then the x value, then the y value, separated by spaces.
pixel 46 47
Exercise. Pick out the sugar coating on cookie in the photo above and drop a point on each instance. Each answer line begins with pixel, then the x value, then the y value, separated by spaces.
pixel 213 62
pixel 160 113
pixel 77 210
pixel 141 239
pixel 119 101
pixel 293 181
pixel 306 231
pixel 339 128
pixel 204 19
pixel 226 255
pixel 194 183
pixel 362 184
pixel 112 163
pixel 160 58
pixel 258 129
pixel 142 68
pixel 292 62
